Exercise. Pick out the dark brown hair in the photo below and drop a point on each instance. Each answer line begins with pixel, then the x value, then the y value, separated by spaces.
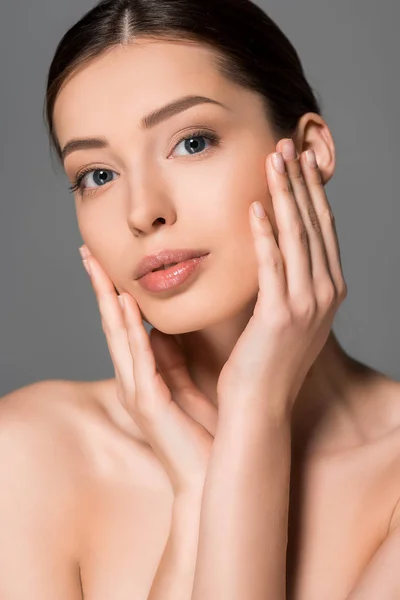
pixel 250 50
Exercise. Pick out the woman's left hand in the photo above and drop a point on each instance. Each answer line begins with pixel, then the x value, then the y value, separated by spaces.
pixel 301 286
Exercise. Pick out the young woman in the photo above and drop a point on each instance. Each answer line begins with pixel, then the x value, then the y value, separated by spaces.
pixel 239 452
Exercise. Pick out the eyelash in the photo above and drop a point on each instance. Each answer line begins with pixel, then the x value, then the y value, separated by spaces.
pixel 213 137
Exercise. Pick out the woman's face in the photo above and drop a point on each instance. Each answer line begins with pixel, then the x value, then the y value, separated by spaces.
pixel 157 193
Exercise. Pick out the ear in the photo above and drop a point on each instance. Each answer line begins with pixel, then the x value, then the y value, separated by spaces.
pixel 313 133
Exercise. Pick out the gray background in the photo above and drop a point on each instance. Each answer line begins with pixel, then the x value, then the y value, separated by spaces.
pixel 50 326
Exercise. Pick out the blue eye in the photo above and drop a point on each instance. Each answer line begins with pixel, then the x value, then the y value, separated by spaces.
pixel 193 145
pixel 99 176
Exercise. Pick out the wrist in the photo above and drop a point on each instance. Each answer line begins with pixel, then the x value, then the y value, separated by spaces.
pixel 186 510
pixel 189 497
pixel 271 411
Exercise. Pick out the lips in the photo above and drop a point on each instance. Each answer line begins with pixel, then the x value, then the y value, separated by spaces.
pixel 164 267
pixel 165 257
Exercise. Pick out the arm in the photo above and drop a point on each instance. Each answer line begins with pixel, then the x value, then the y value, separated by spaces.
pixel 244 520
pixel 175 574
pixel 244 514
pixel 223 567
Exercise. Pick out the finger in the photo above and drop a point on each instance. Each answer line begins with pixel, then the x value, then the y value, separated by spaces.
pixel 299 182
pixel 152 394
pixel 128 344
pixel 172 365
pixel 113 327
pixel 271 270
pixel 326 220
pixel 292 234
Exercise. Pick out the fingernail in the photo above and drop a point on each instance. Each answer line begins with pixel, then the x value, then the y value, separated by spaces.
pixel 259 210
pixel 87 267
pixel 121 302
pixel 279 163
pixel 84 252
pixel 289 150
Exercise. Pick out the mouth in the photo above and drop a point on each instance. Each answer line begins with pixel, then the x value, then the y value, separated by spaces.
pixel 164 267
pixel 172 275
pixel 164 260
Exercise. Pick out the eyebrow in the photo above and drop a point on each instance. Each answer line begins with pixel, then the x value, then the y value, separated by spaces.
pixel 147 122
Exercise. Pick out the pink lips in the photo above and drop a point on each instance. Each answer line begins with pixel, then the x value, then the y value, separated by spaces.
pixel 160 281
pixel 165 257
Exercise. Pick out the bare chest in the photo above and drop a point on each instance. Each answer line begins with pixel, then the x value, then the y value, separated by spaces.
pixel 339 515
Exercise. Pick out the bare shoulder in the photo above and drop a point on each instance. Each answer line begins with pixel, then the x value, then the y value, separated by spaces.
pixel 65 423
pixel 39 413
pixel 392 412
pixel 381 420
pixel 40 474
pixel 57 440
pixel 33 395
pixel 383 406
pixel 80 427
pixel 40 437
pixel 42 415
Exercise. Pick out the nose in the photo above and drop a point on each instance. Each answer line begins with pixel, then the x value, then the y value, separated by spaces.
pixel 149 206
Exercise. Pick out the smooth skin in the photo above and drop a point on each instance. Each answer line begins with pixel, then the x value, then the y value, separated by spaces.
pixel 87 462
pixel 301 286
pixel 255 413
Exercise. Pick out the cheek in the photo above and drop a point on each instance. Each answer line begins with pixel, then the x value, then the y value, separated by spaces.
pixel 247 184
pixel 105 242
pixel 233 238
pixel 220 205
pixel 100 228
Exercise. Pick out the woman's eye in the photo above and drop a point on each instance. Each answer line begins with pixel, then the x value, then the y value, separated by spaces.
pixel 194 144
pixel 99 176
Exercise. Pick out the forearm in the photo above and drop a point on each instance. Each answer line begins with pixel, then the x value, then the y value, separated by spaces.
pixel 175 573
pixel 244 513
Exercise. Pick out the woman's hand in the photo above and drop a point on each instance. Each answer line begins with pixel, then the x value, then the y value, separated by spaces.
pixel 178 421
pixel 301 286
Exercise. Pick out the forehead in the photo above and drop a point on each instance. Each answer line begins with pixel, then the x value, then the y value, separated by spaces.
pixel 129 81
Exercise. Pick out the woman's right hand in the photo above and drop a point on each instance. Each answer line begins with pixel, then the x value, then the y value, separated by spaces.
pixel 177 419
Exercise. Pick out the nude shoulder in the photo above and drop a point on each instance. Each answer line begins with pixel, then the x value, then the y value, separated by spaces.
pixel 41 421
pixel 41 472
pixel 42 409
pixel 82 428
pixel 389 413
pixel 45 407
